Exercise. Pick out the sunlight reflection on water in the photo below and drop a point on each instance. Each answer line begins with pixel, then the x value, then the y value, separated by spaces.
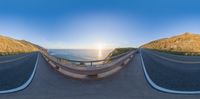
pixel 80 54
pixel 100 54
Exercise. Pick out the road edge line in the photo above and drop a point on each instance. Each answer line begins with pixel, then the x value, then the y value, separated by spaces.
pixel 154 85
pixel 25 84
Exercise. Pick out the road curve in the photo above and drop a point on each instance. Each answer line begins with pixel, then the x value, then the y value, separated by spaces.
pixel 192 59
pixel 5 59
pixel 129 83
pixel 17 75
pixel 171 76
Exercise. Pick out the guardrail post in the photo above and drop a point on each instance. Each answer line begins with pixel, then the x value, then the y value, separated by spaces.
pixel 82 63
pixel 93 76
pixel 57 67
pixel 91 63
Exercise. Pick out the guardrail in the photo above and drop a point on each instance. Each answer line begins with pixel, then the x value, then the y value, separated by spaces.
pixel 93 69
pixel 88 63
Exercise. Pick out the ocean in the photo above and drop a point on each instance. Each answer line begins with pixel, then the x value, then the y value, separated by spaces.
pixel 80 54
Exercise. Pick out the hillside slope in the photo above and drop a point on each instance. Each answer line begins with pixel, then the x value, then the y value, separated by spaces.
pixel 187 43
pixel 13 46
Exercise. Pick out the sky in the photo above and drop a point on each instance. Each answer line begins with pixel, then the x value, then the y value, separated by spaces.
pixel 76 24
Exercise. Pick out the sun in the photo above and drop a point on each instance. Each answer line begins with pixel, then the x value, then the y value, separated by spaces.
pixel 100 46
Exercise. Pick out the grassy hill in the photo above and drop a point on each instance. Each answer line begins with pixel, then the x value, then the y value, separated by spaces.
pixel 186 44
pixel 118 51
pixel 10 46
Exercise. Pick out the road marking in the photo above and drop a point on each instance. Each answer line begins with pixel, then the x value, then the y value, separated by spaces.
pixel 154 85
pixel 7 61
pixel 26 83
pixel 173 60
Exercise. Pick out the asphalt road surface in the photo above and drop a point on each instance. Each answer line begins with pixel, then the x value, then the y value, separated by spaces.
pixel 12 57
pixel 129 83
pixel 174 72
pixel 175 57
pixel 15 73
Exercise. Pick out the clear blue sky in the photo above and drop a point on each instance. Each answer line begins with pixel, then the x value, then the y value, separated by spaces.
pixel 84 23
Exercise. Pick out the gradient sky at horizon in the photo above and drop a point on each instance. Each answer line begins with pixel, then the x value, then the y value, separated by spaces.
pixel 84 23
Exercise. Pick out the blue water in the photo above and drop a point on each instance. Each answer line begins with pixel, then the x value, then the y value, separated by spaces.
pixel 80 54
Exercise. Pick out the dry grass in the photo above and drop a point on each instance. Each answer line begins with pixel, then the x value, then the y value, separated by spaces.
pixel 12 46
pixel 187 43
pixel 118 51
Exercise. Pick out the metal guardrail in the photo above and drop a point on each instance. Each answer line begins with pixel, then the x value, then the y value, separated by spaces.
pixel 106 65
pixel 88 63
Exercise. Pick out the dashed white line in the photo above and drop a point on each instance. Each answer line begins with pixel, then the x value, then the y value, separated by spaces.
pixel 173 60
pixel 7 61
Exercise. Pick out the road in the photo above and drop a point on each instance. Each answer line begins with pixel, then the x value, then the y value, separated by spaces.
pixel 175 57
pixel 129 83
pixel 176 74
pixel 4 59
pixel 15 73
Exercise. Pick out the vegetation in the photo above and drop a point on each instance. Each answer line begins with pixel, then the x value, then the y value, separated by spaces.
pixel 185 44
pixel 118 51
pixel 10 46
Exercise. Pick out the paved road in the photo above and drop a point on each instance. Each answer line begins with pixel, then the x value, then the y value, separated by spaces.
pixel 15 73
pixel 175 57
pixel 12 57
pixel 129 83
pixel 171 73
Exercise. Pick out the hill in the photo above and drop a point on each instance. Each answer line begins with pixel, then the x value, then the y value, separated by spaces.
pixel 118 51
pixel 187 44
pixel 12 46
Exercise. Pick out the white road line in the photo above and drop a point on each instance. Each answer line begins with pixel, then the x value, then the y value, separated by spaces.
pixel 7 61
pixel 173 60
pixel 26 83
pixel 161 88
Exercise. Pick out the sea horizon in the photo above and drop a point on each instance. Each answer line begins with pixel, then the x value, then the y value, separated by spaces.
pixel 80 54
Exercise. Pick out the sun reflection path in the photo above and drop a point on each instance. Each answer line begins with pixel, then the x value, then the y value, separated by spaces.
pixel 100 53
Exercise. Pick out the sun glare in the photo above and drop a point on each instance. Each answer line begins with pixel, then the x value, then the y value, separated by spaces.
pixel 99 46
